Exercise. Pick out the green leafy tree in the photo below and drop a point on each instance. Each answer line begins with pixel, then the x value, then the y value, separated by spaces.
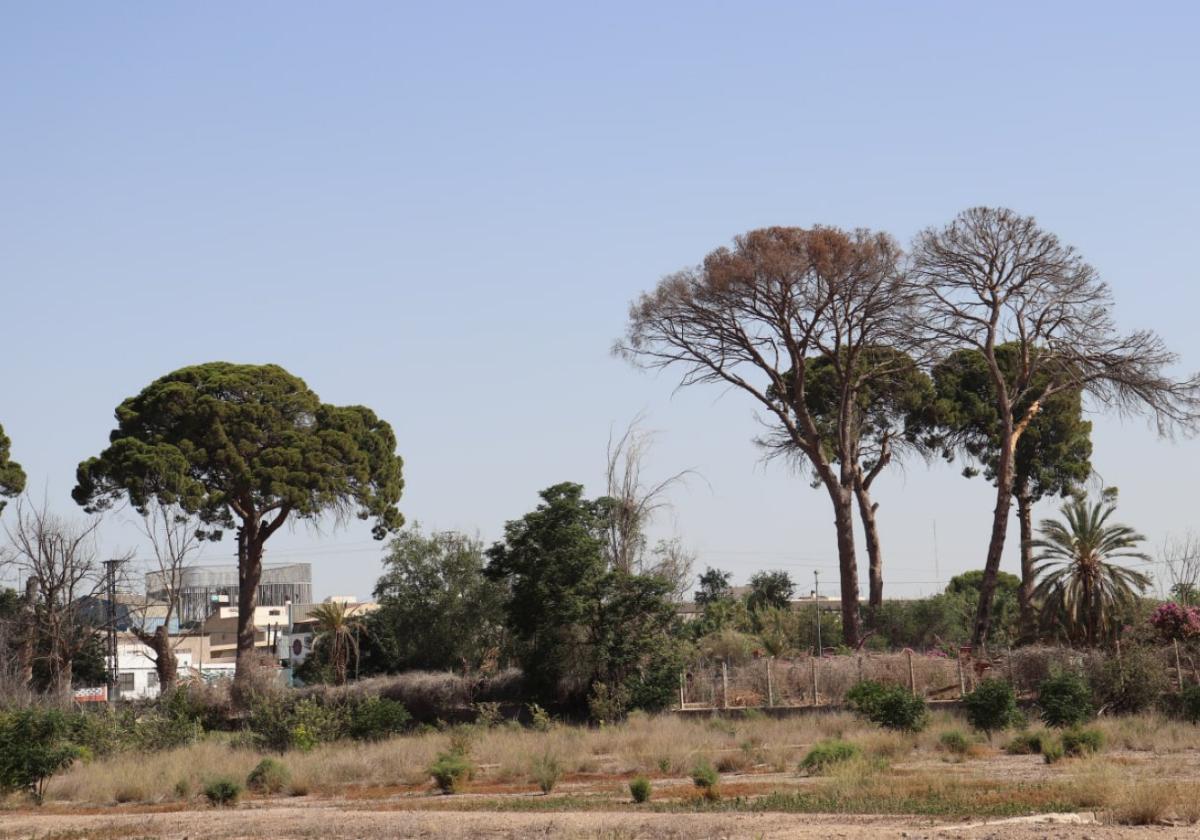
pixel 1082 586
pixel 714 586
pixel 770 590
pixel 246 446
pixel 437 609
pixel 576 624
pixel 1053 455
pixel 35 744
pixel 12 477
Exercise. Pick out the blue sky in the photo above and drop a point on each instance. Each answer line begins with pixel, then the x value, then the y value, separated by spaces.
pixel 443 210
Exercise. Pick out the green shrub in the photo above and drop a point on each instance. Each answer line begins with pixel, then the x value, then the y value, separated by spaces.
pixel 34 745
pixel 955 743
pixel 992 706
pixel 269 776
pixel 1078 742
pixel 1052 750
pixel 546 772
pixel 1064 700
pixel 161 731
pixel 451 771
pixel 705 776
pixel 222 791
pixel 1188 704
pixel 377 719
pixel 890 706
pixel 1135 682
pixel 608 704
pixel 279 724
pixel 1025 743
pixel 825 754
pixel 183 788
pixel 640 789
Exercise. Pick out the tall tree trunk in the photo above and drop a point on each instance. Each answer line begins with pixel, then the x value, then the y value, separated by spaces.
pixel 27 640
pixel 250 554
pixel 991 568
pixel 843 508
pixel 165 662
pixel 1025 593
pixel 866 512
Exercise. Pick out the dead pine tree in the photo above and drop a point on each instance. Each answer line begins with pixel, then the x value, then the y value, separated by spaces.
pixel 993 278
pixel 756 315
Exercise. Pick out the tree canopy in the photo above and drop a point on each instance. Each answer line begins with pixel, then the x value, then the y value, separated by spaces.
pixel 246 446
pixel 580 628
pixel 12 477
pixel 437 610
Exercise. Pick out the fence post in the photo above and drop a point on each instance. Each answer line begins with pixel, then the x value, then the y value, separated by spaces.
pixel 962 678
pixel 1178 667
pixel 813 661
pixel 682 695
pixel 724 685
pixel 770 684
pixel 860 668
pixel 912 677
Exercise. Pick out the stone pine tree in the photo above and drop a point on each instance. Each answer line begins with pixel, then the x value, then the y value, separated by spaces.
pixel 755 315
pixel 12 477
pixel 1053 456
pixel 993 277
pixel 247 447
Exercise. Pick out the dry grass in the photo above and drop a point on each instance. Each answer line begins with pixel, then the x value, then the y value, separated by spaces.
pixel 902 772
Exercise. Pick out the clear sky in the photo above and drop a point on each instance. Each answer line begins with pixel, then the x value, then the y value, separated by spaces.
pixel 443 210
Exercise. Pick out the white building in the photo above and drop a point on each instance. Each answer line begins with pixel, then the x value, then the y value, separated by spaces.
pixel 136 675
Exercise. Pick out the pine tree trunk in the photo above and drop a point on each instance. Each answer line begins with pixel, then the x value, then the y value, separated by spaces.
pixel 843 505
pixel 991 568
pixel 1028 619
pixel 866 512
pixel 250 554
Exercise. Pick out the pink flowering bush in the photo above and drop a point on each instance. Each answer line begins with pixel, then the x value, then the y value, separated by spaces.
pixel 1175 622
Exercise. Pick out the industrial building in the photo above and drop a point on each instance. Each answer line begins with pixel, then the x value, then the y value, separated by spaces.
pixel 205 589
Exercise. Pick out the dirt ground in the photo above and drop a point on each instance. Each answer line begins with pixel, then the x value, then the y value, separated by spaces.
pixel 334 821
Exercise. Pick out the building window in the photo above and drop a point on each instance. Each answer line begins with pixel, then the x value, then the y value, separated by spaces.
pixel 125 682
pixel 152 680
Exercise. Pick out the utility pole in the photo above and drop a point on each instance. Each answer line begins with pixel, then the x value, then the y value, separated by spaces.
pixel 110 580
pixel 817 607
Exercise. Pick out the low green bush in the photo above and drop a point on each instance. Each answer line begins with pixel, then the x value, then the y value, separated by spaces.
pixel 269 776
pixel 1025 743
pixel 222 791
pixel 377 719
pixel 1188 704
pixel 955 742
pixel 34 745
pixel 1064 700
pixel 992 706
pixel 890 706
pixel 450 771
pixel 640 789
pixel 705 776
pixel 1052 750
pixel 546 772
pixel 825 754
pixel 1079 742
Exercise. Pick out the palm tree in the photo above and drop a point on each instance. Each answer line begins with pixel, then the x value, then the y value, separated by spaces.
pixel 1080 586
pixel 336 622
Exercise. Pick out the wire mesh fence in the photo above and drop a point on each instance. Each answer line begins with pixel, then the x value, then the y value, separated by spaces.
pixel 824 681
